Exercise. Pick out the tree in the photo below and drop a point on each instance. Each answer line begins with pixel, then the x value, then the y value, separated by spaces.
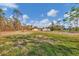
pixel 51 26
pixel 76 17
pixel 73 16
pixel 16 16
pixel 2 21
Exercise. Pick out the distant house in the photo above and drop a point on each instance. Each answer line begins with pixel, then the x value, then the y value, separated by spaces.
pixel 46 29
pixel 41 29
pixel 35 29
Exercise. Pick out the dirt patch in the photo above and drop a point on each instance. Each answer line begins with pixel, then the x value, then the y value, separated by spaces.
pixel 13 33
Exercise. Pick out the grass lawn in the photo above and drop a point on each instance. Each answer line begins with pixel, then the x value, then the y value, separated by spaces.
pixel 40 44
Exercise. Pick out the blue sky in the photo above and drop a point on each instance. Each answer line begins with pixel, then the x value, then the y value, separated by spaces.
pixel 39 14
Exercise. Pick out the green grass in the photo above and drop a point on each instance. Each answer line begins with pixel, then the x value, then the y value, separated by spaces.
pixel 39 44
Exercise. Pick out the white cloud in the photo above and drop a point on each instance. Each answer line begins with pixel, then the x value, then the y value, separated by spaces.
pixel 59 19
pixel 54 21
pixel 5 9
pixel 25 16
pixel 42 23
pixel 11 16
pixel 10 5
pixel 52 13
pixel 30 23
pixel 66 15
pixel 24 20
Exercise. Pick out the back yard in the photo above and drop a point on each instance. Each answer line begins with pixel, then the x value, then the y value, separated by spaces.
pixel 39 44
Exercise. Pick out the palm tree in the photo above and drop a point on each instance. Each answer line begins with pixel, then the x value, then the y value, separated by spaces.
pixel 75 16
pixel 16 15
pixel 2 21
pixel 67 20
pixel 51 26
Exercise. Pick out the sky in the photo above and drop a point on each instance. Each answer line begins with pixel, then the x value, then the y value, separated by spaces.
pixel 39 14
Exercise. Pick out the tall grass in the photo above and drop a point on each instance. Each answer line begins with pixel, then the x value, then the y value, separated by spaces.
pixel 40 44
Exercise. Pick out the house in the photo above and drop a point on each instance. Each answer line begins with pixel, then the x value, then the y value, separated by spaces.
pixel 46 29
pixel 41 29
pixel 35 29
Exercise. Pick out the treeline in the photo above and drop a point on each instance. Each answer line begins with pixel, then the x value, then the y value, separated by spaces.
pixel 71 20
pixel 14 23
